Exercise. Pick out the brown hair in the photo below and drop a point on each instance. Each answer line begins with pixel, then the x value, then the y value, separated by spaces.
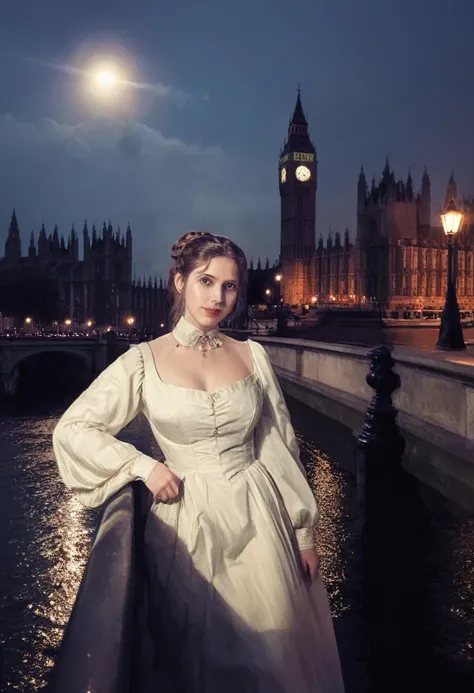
pixel 197 248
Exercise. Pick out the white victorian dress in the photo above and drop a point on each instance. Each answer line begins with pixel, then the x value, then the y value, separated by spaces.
pixel 231 607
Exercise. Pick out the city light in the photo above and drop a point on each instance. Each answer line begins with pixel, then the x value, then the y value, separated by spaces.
pixel 130 321
pixel 68 322
pixel 452 219
pixel 28 321
pixel 278 277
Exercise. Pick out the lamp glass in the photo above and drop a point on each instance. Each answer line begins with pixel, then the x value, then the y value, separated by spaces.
pixel 452 219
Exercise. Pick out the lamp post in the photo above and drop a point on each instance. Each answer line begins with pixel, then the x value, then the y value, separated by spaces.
pixel 450 332
pixel 278 278
pixel 268 295
pixel 130 323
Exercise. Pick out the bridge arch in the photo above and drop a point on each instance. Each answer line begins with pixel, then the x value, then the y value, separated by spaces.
pixel 18 357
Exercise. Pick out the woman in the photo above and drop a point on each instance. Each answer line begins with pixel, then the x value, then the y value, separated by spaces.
pixel 236 600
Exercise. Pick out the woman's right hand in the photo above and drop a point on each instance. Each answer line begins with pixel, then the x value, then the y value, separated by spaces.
pixel 163 483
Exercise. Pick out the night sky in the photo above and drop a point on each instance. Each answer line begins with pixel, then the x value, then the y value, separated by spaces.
pixel 192 140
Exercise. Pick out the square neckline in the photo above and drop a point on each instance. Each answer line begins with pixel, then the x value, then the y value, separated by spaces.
pixel 235 384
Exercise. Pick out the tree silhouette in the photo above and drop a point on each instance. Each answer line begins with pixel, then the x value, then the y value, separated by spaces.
pixel 28 291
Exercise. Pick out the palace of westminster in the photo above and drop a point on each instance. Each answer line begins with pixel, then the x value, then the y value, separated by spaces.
pixel 398 260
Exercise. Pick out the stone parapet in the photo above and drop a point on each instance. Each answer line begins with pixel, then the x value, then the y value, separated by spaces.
pixel 435 402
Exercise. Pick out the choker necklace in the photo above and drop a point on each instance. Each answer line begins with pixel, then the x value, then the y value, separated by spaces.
pixel 189 336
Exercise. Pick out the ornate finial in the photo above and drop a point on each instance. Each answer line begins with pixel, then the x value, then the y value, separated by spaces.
pixel 380 423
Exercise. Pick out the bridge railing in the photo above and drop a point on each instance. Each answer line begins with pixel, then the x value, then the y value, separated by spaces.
pixel 104 639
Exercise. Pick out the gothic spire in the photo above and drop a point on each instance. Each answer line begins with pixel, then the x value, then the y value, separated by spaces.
pixel 361 190
pixel 409 187
pixel 55 238
pixel 451 189
pixel 298 114
pixel 14 231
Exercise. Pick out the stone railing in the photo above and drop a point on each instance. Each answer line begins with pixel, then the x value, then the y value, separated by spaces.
pixel 104 646
pixel 435 402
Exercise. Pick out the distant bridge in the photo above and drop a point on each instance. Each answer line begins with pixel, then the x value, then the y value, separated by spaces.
pixel 96 354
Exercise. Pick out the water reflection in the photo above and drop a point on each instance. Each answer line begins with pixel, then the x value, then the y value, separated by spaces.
pixel 338 544
pixel 48 539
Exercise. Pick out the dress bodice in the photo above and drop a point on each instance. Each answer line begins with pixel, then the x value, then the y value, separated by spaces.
pixel 206 432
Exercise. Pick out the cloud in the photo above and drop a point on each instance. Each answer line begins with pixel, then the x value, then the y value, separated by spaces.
pixel 126 171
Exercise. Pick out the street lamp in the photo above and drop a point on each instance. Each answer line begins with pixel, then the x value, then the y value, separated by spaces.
pixel 450 332
pixel 268 295
pixel 278 278
pixel 130 323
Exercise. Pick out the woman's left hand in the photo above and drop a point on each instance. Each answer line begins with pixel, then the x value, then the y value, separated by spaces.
pixel 310 563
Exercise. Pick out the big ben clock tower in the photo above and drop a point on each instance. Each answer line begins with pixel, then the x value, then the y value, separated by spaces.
pixel 297 171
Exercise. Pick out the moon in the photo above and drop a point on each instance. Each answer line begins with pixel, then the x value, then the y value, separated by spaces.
pixel 106 79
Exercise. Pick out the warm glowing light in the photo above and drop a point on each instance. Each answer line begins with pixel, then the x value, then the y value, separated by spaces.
pixel 313 299
pixel 109 77
pixel 161 325
pixel 68 322
pixel 452 219
pixel 106 79
pixel 27 320
pixel 89 323
pixel 130 321
pixel 267 291
pixel 278 277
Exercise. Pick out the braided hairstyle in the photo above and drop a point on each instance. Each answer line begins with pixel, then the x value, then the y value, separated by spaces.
pixel 197 248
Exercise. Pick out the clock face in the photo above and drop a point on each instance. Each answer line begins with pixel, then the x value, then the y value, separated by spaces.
pixel 283 175
pixel 303 173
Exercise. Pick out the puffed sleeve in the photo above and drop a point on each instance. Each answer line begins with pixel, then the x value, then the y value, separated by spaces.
pixel 91 461
pixel 277 449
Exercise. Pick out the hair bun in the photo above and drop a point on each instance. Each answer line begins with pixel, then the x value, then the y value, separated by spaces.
pixel 178 247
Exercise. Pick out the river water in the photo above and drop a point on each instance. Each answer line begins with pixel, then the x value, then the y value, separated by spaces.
pixel 46 535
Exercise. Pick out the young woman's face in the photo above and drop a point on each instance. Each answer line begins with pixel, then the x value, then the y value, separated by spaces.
pixel 210 292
